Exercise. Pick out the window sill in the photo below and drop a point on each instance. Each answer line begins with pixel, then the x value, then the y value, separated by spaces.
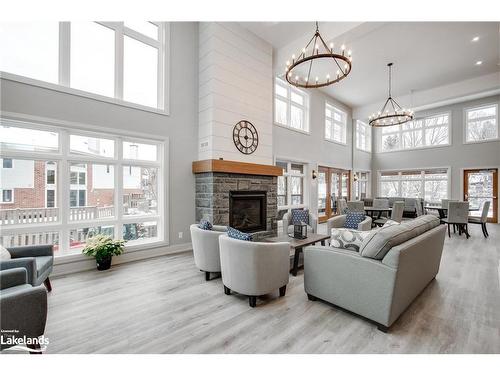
pixel 414 149
pixel 336 142
pixel 80 93
pixel 292 129
pixel 359 149
pixel 483 141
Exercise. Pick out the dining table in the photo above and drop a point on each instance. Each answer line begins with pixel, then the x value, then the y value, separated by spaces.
pixel 442 211
pixel 371 211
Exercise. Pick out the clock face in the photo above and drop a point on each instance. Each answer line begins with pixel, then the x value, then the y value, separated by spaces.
pixel 245 137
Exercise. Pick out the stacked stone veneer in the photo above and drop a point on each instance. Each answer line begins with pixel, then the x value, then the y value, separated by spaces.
pixel 212 197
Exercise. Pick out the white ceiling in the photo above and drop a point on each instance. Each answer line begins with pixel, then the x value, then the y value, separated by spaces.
pixel 425 54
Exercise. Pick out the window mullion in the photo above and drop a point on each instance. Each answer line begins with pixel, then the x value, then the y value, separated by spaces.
pixel 64 53
pixel 63 193
pixel 119 190
pixel 119 61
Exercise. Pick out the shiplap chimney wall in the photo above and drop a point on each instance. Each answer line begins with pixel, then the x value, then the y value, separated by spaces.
pixel 235 83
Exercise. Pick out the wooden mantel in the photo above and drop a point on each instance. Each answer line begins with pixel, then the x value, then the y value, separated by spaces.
pixel 228 166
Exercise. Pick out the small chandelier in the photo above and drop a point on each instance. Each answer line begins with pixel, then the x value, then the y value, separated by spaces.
pixel 391 113
pixel 330 67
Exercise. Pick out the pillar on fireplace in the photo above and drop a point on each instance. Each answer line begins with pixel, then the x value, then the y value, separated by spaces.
pixel 212 196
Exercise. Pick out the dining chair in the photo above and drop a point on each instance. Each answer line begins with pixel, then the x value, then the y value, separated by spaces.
pixel 396 214
pixel 356 206
pixel 483 219
pixel 341 206
pixel 458 215
pixel 381 203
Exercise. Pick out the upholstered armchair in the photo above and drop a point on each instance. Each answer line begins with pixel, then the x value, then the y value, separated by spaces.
pixel 38 260
pixel 23 307
pixel 339 222
pixel 206 248
pixel 254 268
pixel 312 227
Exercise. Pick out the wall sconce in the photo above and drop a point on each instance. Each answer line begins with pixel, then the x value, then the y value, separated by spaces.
pixel 314 174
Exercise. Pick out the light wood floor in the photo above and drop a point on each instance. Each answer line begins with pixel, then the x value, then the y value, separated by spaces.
pixel 164 305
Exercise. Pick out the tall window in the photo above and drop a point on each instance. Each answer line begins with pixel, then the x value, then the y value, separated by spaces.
pixel 335 124
pixel 111 59
pixel 363 136
pixel 290 188
pixel 361 185
pixel 425 132
pixel 110 185
pixel 481 123
pixel 291 106
pixel 430 184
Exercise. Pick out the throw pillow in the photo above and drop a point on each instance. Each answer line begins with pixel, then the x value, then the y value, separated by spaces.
pixel 299 216
pixel 238 235
pixel 348 239
pixel 353 219
pixel 4 253
pixel 205 224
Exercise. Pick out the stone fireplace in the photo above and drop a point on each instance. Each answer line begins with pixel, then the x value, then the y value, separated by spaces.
pixel 241 195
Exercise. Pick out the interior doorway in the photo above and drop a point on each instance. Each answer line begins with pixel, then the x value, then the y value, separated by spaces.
pixel 333 183
pixel 481 185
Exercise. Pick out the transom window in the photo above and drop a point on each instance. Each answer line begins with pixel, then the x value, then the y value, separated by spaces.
pixel 125 61
pixel 430 131
pixel 90 183
pixel 335 124
pixel 481 123
pixel 430 184
pixel 363 136
pixel 291 106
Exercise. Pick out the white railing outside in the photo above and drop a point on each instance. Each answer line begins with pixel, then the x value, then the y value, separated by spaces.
pixel 16 216
pixel 25 239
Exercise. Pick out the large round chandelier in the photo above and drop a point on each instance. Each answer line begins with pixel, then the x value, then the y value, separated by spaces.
pixel 391 113
pixel 317 65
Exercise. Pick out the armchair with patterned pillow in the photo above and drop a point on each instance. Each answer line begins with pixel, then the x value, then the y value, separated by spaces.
pixel 297 216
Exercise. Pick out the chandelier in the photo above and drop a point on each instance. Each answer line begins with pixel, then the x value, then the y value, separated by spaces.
pixel 391 113
pixel 317 65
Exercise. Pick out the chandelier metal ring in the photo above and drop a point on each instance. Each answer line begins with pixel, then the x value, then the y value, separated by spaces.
pixel 319 50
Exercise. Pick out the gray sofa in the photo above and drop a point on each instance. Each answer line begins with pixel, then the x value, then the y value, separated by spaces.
pixel 393 266
pixel 38 260
pixel 23 307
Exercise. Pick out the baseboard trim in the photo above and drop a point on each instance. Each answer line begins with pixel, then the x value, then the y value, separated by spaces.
pixel 86 264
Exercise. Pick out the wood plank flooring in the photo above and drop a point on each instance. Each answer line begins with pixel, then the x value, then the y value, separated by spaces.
pixel 164 305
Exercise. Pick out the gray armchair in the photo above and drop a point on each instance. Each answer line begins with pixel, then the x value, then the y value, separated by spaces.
pixel 288 227
pixel 339 221
pixel 206 248
pixel 38 260
pixel 23 308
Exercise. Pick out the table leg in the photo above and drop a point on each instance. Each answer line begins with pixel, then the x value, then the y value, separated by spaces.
pixel 296 261
pixel 322 242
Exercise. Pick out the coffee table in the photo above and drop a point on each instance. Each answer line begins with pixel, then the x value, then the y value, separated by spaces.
pixel 297 245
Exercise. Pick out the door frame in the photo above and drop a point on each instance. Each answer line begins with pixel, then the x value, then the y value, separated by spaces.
pixel 464 171
pixel 329 171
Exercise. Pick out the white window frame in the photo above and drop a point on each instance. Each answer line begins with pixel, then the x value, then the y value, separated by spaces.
pixel 466 123
pixel 64 158
pixel 11 195
pixel 287 174
pixel 163 76
pixel 359 180
pixel 367 130
pixel 342 123
pixel 289 104
pixel 399 131
pixel 398 178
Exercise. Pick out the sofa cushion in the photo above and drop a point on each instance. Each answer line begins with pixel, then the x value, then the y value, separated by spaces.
pixel 43 264
pixel 238 235
pixel 299 216
pixel 378 243
pixel 4 253
pixel 205 225
pixel 389 223
pixel 353 219
pixel 349 239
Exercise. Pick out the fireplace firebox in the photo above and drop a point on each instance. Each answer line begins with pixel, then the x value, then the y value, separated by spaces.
pixel 248 210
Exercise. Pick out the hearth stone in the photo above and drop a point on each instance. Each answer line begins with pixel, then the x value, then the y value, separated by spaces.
pixel 212 197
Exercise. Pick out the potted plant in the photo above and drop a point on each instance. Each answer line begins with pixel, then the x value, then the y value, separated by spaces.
pixel 102 248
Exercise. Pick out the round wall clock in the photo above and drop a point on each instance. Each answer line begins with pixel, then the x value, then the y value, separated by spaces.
pixel 245 137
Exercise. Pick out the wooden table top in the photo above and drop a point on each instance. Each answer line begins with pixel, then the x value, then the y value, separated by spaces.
pixel 295 242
